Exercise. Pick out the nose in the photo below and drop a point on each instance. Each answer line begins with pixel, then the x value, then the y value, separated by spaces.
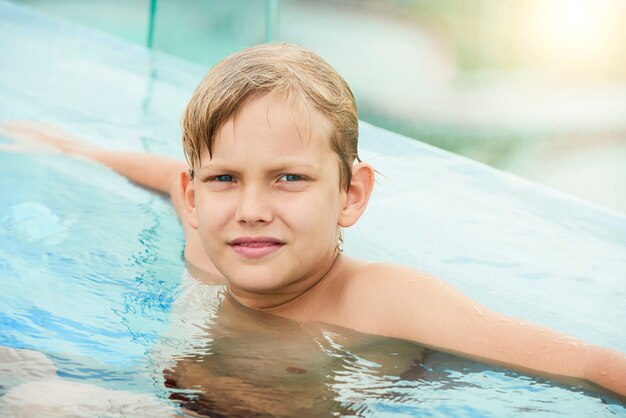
pixel 254 206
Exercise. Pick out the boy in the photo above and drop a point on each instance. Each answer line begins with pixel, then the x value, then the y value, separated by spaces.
pixel 273 175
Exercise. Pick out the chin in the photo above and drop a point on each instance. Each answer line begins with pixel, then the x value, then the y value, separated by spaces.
pixel 256 281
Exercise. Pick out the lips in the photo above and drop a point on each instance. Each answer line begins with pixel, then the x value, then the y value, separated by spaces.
pixel 255 247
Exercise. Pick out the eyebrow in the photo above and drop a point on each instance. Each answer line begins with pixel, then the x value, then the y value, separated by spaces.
pixel 280 165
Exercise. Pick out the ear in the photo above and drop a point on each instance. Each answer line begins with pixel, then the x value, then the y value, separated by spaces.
pixel 358 194
pixel 188 195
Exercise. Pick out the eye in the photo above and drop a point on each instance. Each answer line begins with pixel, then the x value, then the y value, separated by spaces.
pixel 223 178
pixel 290 177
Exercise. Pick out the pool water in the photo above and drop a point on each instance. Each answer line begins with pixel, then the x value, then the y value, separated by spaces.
pixel 92 275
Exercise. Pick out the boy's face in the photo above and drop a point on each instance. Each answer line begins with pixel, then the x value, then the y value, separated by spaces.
pixel 268 201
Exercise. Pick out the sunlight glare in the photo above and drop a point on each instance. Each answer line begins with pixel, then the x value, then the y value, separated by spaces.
pixel 573 31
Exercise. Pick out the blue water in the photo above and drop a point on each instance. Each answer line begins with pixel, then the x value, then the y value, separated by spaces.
pixel 73 278
pixel 91 265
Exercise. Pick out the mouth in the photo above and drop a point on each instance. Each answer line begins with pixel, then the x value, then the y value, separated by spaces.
pixel 255 247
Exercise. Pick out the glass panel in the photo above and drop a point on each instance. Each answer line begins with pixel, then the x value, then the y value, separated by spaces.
pixel 206 31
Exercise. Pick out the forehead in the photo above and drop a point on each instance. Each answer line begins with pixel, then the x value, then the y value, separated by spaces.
pixel 273 124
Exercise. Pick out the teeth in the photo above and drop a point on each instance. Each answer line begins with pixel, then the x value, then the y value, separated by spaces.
pixel 255 244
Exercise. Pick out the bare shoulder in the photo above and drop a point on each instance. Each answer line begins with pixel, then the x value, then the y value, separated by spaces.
pixel 388 299
pixel 390 279
pixel 382 271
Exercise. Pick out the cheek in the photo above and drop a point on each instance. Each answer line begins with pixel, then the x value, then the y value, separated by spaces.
pixel 211 212
pixel 318 212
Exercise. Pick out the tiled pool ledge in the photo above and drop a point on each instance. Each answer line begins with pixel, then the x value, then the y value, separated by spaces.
pixel 515 246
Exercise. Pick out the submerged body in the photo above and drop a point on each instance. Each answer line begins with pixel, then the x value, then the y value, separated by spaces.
pixel 242 362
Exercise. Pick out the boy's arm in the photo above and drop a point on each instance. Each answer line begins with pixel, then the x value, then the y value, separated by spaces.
pixel 424 309
pixel 149 170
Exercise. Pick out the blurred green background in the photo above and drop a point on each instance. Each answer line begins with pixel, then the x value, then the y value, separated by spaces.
pixel 533 87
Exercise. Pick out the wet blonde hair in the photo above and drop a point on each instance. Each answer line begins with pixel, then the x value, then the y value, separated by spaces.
pixel 281 69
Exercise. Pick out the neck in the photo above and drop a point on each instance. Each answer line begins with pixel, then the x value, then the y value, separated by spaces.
pixel 281 300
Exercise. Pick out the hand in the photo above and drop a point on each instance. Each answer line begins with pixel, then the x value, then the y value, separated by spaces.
pixel 34 137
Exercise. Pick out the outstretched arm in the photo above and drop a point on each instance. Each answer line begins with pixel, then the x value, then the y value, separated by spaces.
pixel 149 170
pixel 476 331
pixel 427 310
pixel 160 173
